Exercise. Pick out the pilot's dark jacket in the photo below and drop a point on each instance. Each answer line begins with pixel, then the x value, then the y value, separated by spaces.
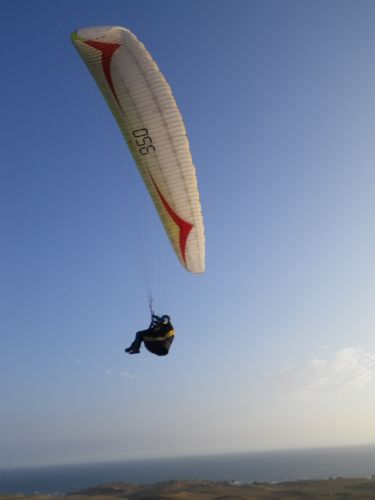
pixel 157 338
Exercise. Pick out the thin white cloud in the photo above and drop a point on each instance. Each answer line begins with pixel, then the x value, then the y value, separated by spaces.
pixel 128 375
pixel 348 370
pixel 109 373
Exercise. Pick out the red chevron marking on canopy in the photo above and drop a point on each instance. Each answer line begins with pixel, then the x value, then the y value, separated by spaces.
pixel 184 226
pixel 107 51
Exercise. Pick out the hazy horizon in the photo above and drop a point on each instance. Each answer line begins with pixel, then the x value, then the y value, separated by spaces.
pixel 152 458
pixel 277 467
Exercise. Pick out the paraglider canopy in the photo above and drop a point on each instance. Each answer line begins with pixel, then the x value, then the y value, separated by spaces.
pixel 146 112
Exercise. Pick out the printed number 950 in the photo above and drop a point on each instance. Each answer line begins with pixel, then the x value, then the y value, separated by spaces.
pixel 143 141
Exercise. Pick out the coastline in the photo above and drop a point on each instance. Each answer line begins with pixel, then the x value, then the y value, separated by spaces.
pixel 229 490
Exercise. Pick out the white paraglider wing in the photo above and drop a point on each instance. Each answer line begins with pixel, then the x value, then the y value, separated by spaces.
pixel 146 111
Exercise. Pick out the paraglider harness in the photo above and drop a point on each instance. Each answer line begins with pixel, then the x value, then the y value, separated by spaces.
pixel 157 338
pixel 159 335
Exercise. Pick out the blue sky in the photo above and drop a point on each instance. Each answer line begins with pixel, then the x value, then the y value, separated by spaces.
pixel 275 344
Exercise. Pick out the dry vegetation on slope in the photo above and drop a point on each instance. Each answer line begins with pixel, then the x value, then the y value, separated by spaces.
pixel 207 490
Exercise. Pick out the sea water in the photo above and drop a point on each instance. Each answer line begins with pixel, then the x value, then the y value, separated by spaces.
pixel 267 466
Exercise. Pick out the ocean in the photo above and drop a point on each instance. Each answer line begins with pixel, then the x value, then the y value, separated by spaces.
pixel 267 466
